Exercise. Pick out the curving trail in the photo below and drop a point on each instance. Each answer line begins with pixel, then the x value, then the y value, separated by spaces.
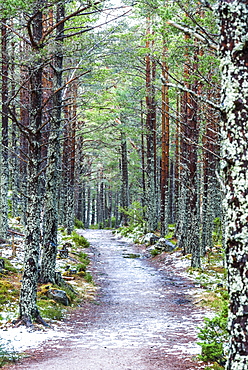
pixel 142 319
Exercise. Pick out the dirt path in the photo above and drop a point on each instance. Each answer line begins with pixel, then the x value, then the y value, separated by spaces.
pixel 142 320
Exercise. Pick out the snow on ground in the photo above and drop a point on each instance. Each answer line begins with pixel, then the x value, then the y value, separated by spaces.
pixel 19 339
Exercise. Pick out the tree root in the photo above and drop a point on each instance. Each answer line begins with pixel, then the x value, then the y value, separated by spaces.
pixel 26 321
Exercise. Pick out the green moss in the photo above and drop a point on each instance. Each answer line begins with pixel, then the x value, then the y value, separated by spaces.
pixel 50 309
pixel 214 366
pixel 9 266
pixel 154 252
pixel 8 293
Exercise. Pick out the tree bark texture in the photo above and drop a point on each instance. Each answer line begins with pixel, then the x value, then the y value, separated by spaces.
pixel 48 262
pixel 151 191
pixel 124 176
pixel 4 143
pixel 165 147
pixel 233 16
pixel 27 303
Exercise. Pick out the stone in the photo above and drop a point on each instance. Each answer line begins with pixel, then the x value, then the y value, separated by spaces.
pixel 150 239
pixel 2 264
pixel 64 252
pixel 164 245
pixel 59 296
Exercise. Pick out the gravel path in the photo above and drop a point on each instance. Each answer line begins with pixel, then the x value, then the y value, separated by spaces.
pixel 143 318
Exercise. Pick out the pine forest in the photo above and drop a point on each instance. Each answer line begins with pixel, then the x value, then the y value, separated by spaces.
pixel 131 117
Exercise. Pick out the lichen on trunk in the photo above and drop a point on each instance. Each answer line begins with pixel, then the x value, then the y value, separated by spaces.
pixel 234 66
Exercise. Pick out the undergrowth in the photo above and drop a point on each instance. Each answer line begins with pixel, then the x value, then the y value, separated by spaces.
pixel 50 309
pixel 7 355
pixel 214 338
pixel 78 224
pixel 80 240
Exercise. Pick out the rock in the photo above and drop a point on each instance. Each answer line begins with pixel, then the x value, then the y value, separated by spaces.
pixel 64 252
pixel 59 296
pixel 150 239
pixel 164 245
pixel 2 264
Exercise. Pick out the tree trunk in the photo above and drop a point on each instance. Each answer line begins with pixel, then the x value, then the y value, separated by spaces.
pixel 48 263
pixel 165 147
pixel 234 102
pixel 151 192
pixel 124 176
pixel 27 303
pixel 4 144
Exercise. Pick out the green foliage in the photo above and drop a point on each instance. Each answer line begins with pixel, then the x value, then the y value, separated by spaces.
pixel 7 355
pixel 135 214
pixel 214 366
pixel 94 227
pixel 214 336
pixel 50 309
pixel 8 293
pixel 9 266
pixel 80 240
pixel 11 7
pixel 217 231
pixel 154 252
pixel 83 257
pixel 78 224
pixel 88 277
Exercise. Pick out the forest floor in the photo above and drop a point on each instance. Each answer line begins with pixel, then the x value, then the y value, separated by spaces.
pixel 144 315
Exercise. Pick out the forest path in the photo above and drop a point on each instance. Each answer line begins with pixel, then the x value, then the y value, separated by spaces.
pixel 142 319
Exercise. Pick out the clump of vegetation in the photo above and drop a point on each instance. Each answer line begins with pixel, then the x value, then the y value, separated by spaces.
pixel 154 252
pixel 94 227
pixel 214 366
pixel 8 266
pixel 88 277
pixel 81 267
pixel 217 231
pixel 80 240
pixel 8 293
pixel 7 356
pixel 214 337
pixel 136 221
pixel 50 309
pixel 83 257
pixel 78 224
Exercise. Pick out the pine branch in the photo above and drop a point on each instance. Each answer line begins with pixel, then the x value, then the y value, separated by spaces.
pixel 192 32
pixel 183 88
